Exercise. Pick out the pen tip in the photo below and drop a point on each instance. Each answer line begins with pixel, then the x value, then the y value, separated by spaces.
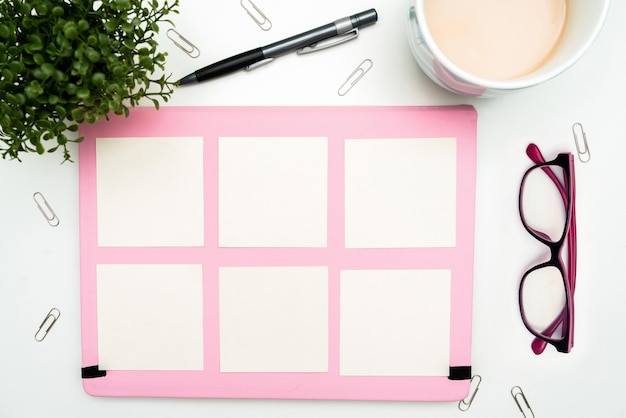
pixel 188 79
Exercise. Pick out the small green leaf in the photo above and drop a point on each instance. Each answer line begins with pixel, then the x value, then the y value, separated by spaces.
pixel 79 54
pixel 78 114
pixel 92 55
pixel 59 76
pixel 83 25
pixel 110 26
pixel 33 90
pixel 32 48
pixel 41 8
pixel 11 98
pixel 103 39
pixel 35 39
pixel 71 89
pixel 39 59
pixel 4 31
pixel 39 75
pixel 123 4
pixel 117 70
pixel 83 93
pixel 146 62
pixel 48 69
pixel 61 111
pixel 8 75
pixel 25 8
pixel 98 79
pixel 70 30
pixel 57 11
pixel 16 66
pixel 5 120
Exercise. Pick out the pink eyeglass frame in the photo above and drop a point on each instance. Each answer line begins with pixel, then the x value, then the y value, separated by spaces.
pixel 567 190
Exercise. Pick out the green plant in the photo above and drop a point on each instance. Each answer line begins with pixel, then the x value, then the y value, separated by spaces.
pixel 66 62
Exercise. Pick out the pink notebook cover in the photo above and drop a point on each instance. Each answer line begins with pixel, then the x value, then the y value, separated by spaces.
pixel 337 125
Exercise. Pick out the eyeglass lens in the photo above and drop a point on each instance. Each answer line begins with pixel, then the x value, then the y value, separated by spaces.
pixel 543 301
pixel 543 203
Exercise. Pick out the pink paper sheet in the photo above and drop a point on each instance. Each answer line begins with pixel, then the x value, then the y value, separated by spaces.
pixel 337 124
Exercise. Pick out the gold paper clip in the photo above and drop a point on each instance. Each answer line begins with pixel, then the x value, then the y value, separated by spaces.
pixel 355 76
pixel 584 155
pixel 464 404
pixel 45 209
pixel 525 409
pixel 48 322
pixel 256 14
pixel 183 43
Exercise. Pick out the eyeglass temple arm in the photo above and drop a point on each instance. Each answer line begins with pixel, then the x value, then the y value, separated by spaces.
pixel 538 345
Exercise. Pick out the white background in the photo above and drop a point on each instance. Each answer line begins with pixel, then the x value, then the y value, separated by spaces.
pixel 39 264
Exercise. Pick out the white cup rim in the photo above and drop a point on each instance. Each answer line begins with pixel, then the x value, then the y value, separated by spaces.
pixel 529 80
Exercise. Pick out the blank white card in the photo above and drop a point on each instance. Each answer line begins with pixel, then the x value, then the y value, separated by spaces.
pixel 150 317
pixel 400 193
pixel 150 192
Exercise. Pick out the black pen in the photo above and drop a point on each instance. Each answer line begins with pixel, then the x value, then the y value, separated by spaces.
pixel 305 42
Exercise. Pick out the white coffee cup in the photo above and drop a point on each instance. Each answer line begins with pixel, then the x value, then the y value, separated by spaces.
pixel 583 23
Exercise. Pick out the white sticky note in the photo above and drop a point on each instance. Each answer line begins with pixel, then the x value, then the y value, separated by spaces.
pixel 150 317
pixel 150 192
pixel 273 192
pixel 273 319
pixel 400 193
pixel 395 323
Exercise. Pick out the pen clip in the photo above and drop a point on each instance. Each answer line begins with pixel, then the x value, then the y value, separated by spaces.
pixel 259 64
pixel 318 46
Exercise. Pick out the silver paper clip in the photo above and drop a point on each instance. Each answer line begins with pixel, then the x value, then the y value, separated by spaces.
pixel 183 43
pixel 355 76
pixel 580 139
pixel 464 404
pixel 334 41
pixel 256 14
pixel 525 409
pixel 45 209
pixel 47 323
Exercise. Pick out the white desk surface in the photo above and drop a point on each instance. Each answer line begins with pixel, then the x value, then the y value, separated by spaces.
pixel 39 264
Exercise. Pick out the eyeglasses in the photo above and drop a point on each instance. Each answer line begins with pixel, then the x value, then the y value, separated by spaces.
pixel 547 209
